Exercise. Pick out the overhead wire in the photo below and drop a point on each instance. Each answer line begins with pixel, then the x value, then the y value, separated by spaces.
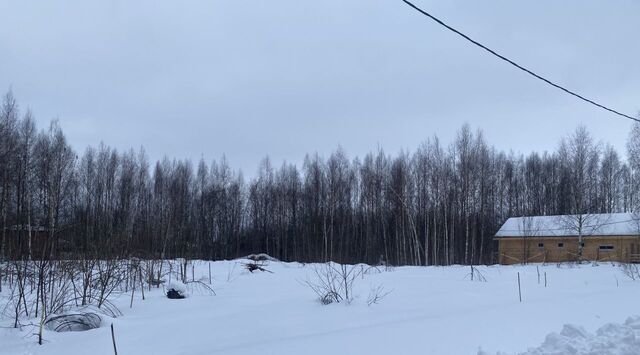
pixel 513 63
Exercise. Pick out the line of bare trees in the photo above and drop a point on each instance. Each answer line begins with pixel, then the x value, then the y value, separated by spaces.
pixel 439 205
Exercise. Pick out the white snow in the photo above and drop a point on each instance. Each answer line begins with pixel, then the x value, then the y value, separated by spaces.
pixel 606 224
pixel 176 285
pixel 430 310
pixel 610 339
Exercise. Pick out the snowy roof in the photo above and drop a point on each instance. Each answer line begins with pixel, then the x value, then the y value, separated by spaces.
pixel 609 224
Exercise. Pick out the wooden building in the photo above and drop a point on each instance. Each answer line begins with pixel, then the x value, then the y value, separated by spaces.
pixel 539 239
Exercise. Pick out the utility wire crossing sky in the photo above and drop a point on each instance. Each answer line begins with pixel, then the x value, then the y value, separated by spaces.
pixel 516 64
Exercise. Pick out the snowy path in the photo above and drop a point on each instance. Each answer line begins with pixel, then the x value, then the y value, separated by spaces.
pixel 434 310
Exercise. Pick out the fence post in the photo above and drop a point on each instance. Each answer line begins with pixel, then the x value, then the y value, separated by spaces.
pixel 113 339
pixel 519 291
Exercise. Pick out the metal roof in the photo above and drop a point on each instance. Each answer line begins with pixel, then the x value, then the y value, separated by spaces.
pixel 606 224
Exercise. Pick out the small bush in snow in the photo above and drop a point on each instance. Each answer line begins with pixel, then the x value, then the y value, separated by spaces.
pixel 333 283
pixel 369 270
pixel 376 294
pixel 199 287
pixel 476 275
pixel 231 274
pixel 632 271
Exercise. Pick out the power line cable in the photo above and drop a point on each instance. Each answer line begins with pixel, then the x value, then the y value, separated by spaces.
pixel 518 65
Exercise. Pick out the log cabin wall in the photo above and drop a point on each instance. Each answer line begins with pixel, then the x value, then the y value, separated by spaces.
pixel 517 250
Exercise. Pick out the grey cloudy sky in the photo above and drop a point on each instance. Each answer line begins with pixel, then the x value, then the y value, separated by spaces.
pixel 286 77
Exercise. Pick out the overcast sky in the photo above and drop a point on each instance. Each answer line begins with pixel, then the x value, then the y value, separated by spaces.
pixel 247 78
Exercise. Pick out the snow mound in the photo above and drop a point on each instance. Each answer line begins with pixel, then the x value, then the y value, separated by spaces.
pixel 610 339
pixel 261 257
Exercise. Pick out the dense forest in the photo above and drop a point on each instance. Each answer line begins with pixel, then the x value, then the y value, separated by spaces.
pixel 439 205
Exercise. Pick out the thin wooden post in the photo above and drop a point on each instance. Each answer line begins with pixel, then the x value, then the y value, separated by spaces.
pixel 133 290
pixel 141 283
pixel 113 339
pixel 538 270
pixel 209 272
pixel 42 318
pixel 545 279
pixel 519 291
pixel 193 274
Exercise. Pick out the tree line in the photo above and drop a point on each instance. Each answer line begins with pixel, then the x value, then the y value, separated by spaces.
pixel 439 205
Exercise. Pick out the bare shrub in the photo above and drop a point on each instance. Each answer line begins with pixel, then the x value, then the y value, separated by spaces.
pixel 198 286
pixel 333 283
pixel 44 289
pixel 156 271
pixel 371 270
pixel 110 275
pixel 377 294
pixel 82 279
pixel 632 271
pixel 231 274
pixel 476 275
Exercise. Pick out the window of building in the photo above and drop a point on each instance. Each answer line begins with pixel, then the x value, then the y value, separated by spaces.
pixel 582 244
pixel 560 245
pixel 606 247
pixel 540 245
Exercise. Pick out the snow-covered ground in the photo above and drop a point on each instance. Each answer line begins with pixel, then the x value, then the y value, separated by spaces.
pixel 610 339
pixel 431 310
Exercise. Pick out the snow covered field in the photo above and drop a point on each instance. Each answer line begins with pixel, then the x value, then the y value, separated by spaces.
pixel 430 310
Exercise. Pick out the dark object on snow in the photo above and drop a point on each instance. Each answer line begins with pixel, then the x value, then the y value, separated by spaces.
pixel 77 322
pixel 174 294
pixel 255 266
